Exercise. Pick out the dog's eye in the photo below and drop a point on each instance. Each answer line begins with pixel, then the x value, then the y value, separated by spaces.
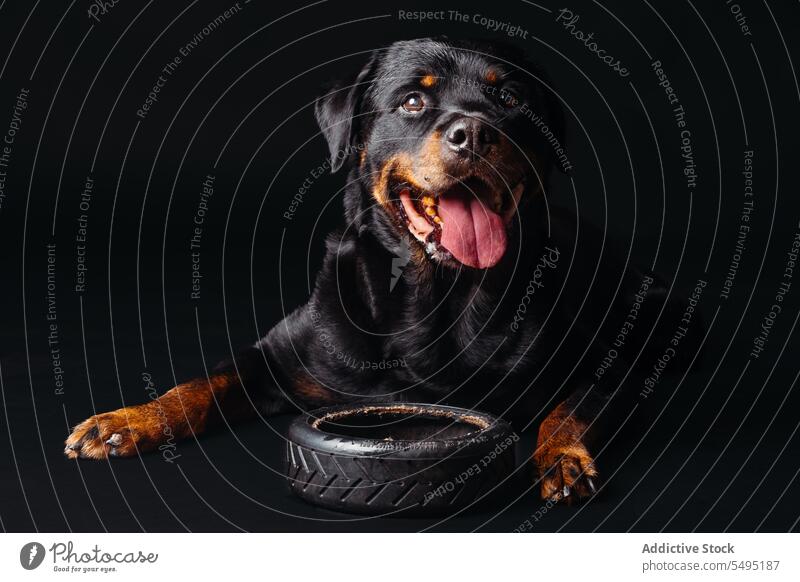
pixel 413 103
pixel 508 98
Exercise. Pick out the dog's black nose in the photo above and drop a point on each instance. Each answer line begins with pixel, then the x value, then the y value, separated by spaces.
pixel 470 137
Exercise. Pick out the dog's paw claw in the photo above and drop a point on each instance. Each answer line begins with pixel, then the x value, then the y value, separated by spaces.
pixel 591 485
pixel 115 440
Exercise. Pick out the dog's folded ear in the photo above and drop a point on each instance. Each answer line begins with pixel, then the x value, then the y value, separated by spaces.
pixel 339 114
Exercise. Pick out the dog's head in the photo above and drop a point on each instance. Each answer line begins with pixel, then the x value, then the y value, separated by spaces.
pixel 446 138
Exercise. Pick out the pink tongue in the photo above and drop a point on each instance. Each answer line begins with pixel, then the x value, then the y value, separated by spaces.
pixel 472 233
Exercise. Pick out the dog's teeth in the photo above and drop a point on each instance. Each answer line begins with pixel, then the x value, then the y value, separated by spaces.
pixel 429 207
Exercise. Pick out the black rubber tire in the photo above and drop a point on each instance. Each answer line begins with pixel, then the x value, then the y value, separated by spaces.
pixel 367 475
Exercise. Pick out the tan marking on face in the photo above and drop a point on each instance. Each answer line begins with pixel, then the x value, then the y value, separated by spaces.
pixel 491 76
pixel 424 170
pixel 400 166
pixel 427 81
pixel 428 168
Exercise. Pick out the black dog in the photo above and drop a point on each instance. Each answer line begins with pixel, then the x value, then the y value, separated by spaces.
pixel 503 303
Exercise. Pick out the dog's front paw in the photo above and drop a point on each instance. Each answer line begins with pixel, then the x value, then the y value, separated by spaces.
pixel 567 473
pixel 121 433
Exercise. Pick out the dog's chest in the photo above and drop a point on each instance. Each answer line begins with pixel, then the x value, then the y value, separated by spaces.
pixel 454 337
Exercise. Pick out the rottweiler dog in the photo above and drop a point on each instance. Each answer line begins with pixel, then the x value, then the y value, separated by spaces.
pixel 453 280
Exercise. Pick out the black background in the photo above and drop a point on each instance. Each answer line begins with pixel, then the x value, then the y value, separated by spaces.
pixel 711 450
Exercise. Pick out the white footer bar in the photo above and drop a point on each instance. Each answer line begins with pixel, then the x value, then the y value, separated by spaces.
pixel 400 557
